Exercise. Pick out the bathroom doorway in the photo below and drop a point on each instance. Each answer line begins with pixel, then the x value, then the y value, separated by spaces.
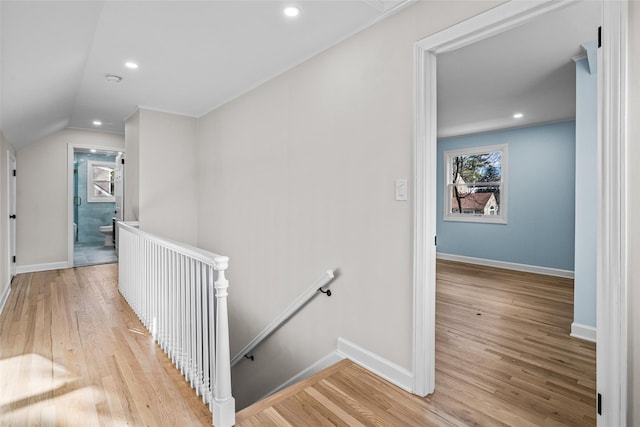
pixel 92 187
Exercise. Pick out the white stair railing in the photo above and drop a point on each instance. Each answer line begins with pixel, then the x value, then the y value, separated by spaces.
pixel 179 292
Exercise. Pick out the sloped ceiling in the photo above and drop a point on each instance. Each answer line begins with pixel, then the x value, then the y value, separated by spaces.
pixel 193 55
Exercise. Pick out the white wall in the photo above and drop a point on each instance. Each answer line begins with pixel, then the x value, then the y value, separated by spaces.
pixel 165 147
pixel 42 199
pixel 297 176
pixel 633 236
pixel 322 196
pixel 132 168
pixel 5 147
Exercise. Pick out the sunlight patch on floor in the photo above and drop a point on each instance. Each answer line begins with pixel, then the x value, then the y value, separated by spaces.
pixel 38 391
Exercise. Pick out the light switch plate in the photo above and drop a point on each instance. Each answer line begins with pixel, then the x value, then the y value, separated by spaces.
pixel 401 190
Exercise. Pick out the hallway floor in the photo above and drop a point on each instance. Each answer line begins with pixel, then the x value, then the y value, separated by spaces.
pixel 73 353
pixel 93 254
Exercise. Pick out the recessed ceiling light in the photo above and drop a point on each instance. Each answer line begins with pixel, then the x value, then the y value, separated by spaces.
pixel 112 78
pixel 291 11
pixel 131 65
pixel 93 150
pixel 97 123
pixel 518 115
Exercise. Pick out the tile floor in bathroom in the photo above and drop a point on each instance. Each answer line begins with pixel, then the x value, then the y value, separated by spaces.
pixel 92 254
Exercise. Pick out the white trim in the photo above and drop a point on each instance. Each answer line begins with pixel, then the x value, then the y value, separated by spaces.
pixel 424 223
pixel 494 21
pixel 381 367
pixel 21 269
pixel 328 360
pixel 5 296
pixel 90 165
pixel 611 189
pixel 583 332
pixel 612 315
pixel 548 271
pixel 503 184
pixel 162 111
pixel 84 129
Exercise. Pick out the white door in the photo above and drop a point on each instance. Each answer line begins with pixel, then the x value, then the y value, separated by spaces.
pixel 11 180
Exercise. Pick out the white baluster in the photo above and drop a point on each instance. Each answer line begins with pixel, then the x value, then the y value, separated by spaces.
pixel 209 349
pixel 198 359
pixel 180 295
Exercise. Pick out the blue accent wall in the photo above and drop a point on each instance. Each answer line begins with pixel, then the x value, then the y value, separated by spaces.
pixel 584 307
pixel 90 216
pixel 541 193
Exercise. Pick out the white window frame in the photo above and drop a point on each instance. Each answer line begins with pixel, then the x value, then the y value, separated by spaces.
pixel 90 182
pixel 446 196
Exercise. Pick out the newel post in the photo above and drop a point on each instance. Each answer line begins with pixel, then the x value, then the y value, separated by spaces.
pixel 223 403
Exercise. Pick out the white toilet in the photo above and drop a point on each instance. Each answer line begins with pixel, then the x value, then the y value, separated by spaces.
pixel 107 230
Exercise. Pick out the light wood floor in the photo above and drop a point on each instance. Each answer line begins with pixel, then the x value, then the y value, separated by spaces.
pixel 503 357
pixel 73 353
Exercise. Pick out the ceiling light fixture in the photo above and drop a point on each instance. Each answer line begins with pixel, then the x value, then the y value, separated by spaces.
pixel 112 78
pixel 291 11
pixel 518 115
pixel 131 65
pixel 93 150
pixel 97 123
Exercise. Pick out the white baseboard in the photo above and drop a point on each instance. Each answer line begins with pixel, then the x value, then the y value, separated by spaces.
pixel 568 274
pixel 5 296
pixel 21 269
pixel 330 359
pixel 584 332
pixel 383 368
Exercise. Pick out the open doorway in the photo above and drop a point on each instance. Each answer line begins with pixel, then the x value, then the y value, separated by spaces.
pixel 92 189
pixel 611 337
pixel 512 134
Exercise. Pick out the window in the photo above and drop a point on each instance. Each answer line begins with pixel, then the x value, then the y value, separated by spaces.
pixel 475 187
pixel 100 181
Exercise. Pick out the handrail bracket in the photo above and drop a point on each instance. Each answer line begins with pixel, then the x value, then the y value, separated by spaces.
pixel 327 292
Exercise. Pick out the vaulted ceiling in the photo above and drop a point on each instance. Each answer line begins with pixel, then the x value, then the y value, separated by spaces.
pixel 194 56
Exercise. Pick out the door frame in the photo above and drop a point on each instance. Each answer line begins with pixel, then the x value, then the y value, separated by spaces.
pixel 71 149
pixel 11 210
pixel 611 346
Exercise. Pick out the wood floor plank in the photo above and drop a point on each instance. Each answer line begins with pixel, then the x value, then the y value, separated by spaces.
pixel 73 353
pixel 504 357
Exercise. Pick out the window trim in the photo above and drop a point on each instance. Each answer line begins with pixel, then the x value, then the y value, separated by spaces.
pixel 90 182
pixel 446 198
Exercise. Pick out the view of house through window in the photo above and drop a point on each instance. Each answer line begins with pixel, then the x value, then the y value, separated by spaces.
pixel 475 184
pixel 100 176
